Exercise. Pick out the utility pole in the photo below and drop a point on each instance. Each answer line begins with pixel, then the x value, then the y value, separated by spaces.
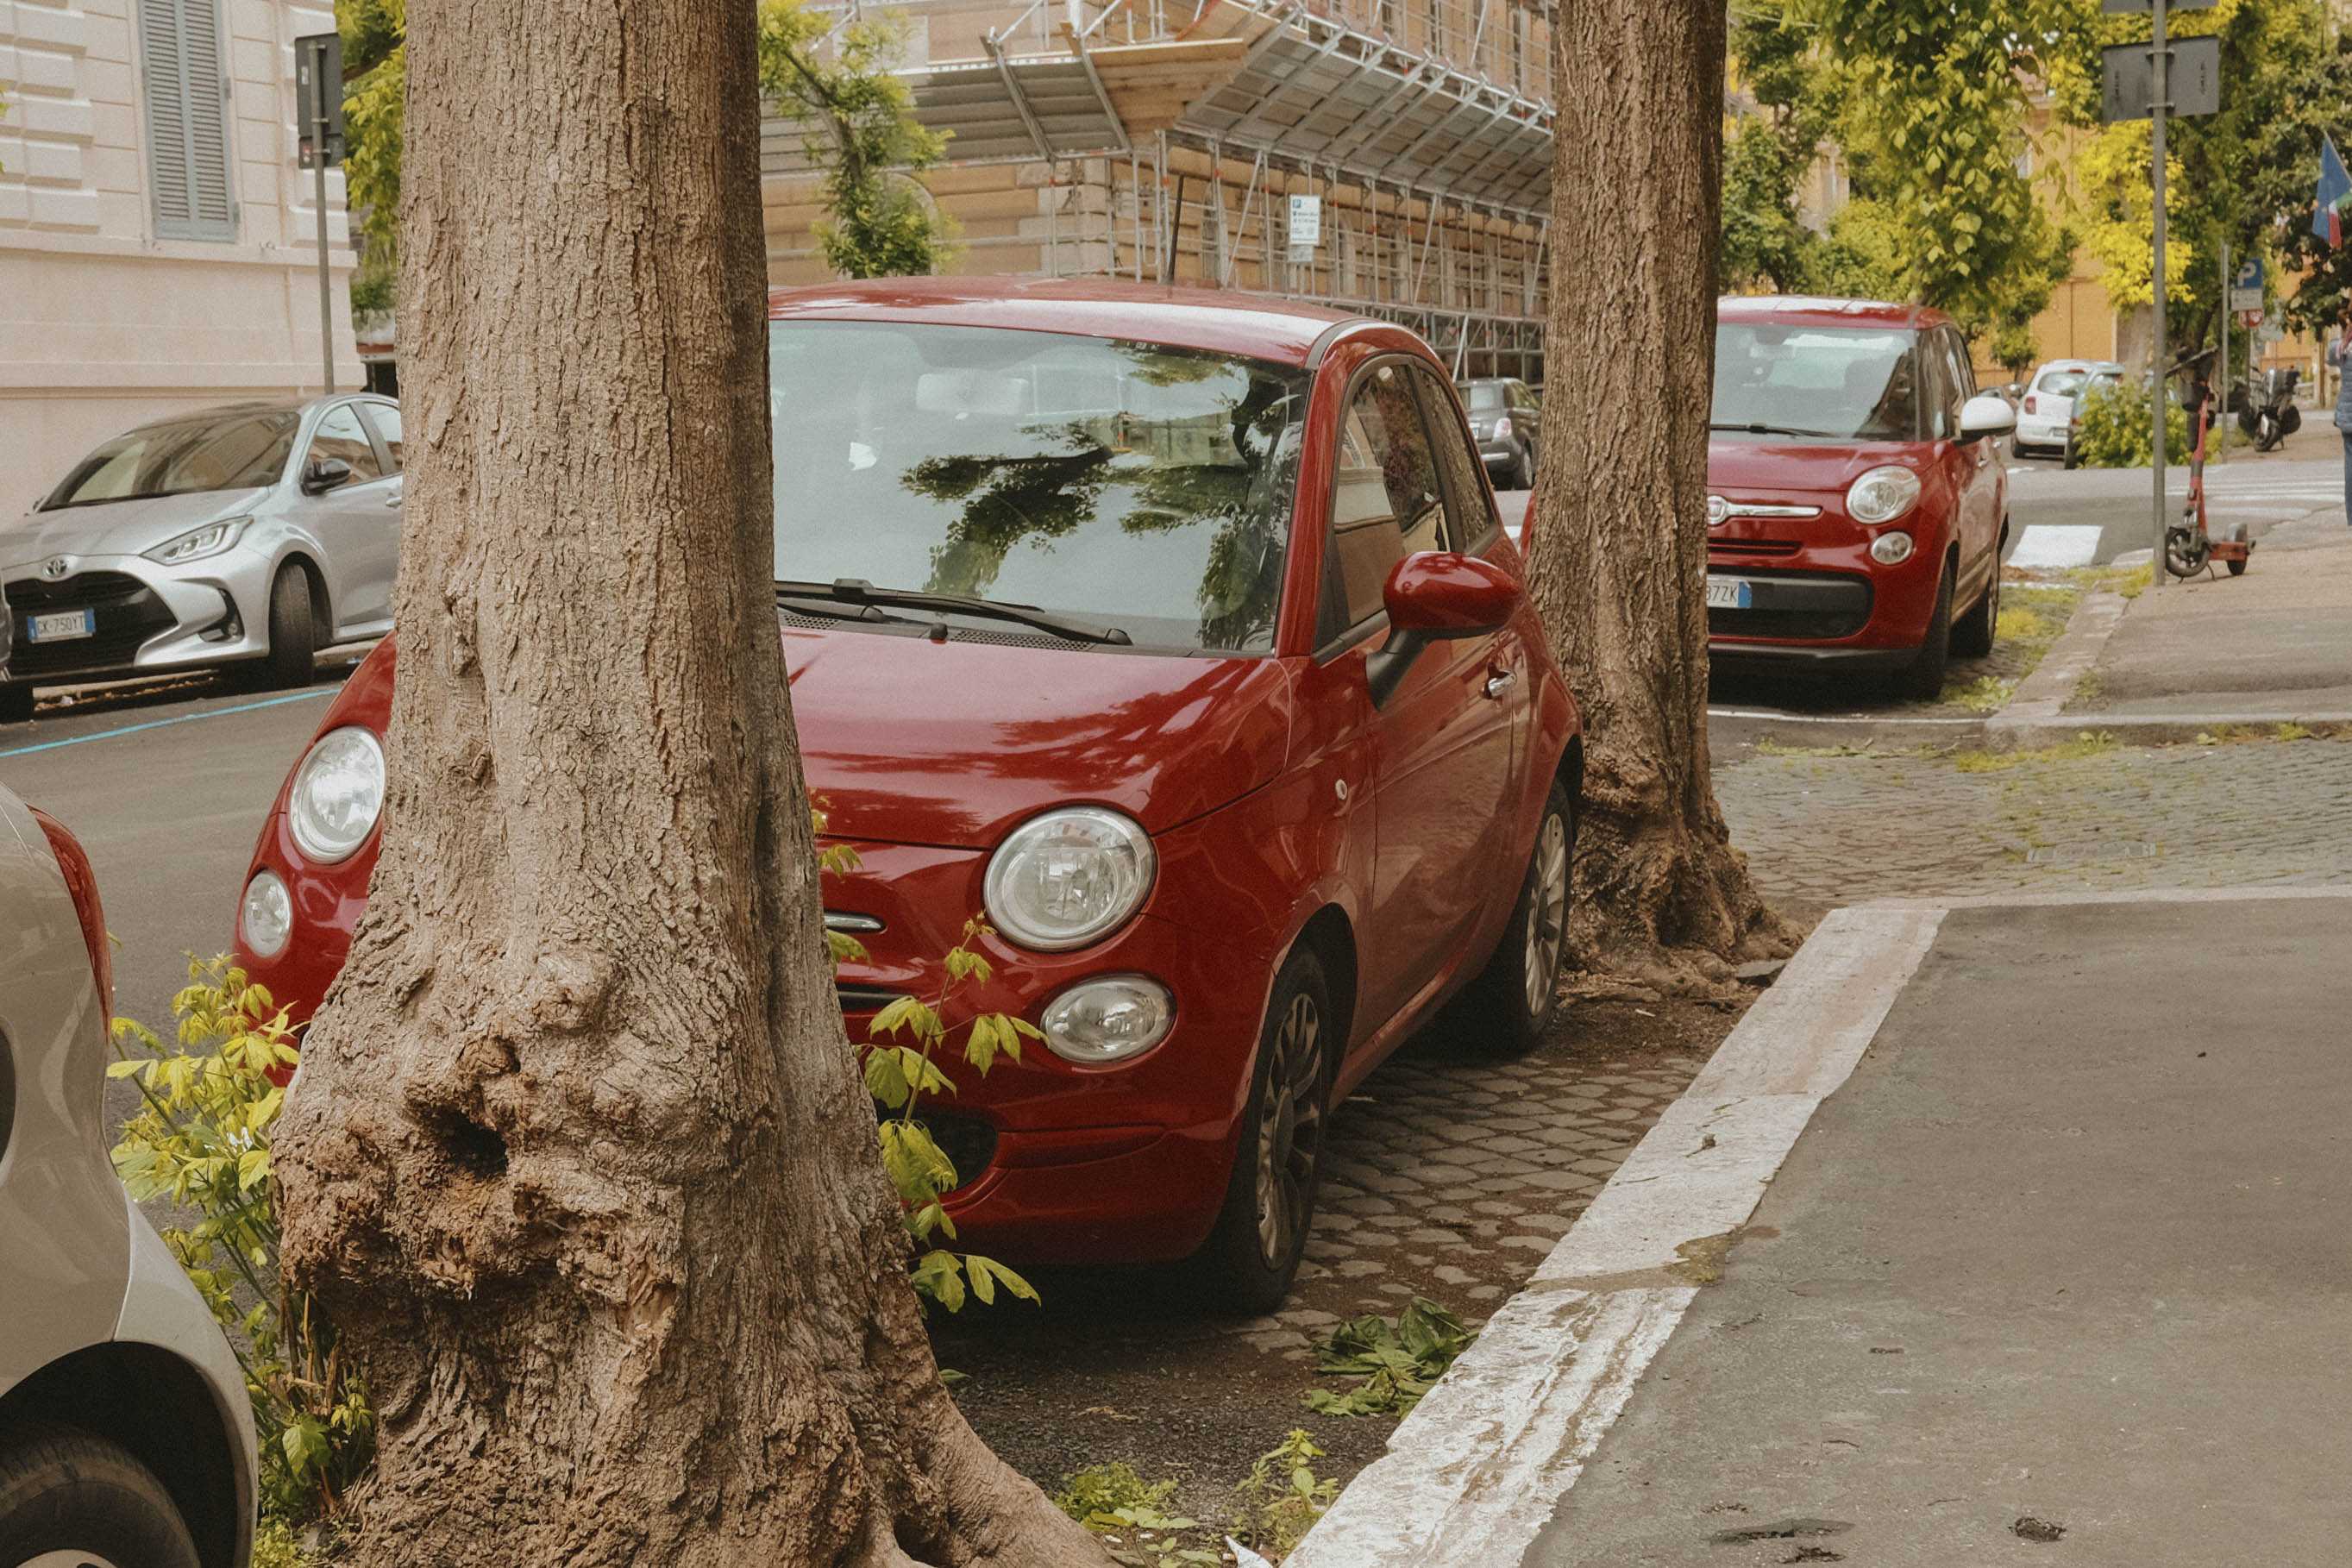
pixel 2156 108
pixel 319 100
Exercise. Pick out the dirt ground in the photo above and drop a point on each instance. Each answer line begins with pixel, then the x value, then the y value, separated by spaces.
pixel 1448 1177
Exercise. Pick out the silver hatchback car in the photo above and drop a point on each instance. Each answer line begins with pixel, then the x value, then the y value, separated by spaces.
pixel 251 535
pixel 126 1435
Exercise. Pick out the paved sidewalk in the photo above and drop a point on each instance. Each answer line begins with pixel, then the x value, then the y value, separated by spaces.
pixel 2068 1247
pixel 2273 644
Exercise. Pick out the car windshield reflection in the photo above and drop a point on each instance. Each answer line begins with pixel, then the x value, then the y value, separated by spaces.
pixel 1844 384
pixel 1146 487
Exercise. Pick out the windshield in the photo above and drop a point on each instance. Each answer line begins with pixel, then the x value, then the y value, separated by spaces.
pixel 220 452
pixel 1845 383
pixel 1137 486
pixel 1486 397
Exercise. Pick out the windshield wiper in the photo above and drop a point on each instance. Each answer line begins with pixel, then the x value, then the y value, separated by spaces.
pixel 1754 428
pixel 858 591
pixel 795 596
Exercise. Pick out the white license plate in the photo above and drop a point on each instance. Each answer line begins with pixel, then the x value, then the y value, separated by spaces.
pixel 63 625
pixel 1729 593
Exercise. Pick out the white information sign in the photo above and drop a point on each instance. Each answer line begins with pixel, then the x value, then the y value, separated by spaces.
pixel 1306 221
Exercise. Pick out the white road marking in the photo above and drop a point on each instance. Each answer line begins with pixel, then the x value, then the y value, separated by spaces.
pixel 2056 544
pixel 1474 1473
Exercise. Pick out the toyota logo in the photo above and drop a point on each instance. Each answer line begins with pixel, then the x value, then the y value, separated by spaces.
pixel 1717 509
pixel 56 566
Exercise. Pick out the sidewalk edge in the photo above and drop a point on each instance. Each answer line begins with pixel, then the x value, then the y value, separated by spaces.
pixel 1481 1465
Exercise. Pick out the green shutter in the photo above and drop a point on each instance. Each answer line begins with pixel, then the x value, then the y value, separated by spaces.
pixel 187 98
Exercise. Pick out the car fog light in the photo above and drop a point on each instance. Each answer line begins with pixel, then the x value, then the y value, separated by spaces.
pixel 265 919
pixel 1108 1020
pixel 1891 549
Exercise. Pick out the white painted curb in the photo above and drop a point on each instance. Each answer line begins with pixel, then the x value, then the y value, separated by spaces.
pixel 1482 1463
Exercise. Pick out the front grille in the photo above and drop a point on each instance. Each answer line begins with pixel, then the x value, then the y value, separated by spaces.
pixel 1754 546
pixel 128 613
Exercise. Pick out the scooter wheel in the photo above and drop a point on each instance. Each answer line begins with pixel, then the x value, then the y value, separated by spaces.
pixel 2185 554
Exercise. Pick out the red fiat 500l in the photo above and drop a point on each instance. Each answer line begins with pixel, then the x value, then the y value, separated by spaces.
pixel 1176 635
pixel 1858 500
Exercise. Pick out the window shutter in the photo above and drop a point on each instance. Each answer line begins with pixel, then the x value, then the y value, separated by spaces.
pixel 186 100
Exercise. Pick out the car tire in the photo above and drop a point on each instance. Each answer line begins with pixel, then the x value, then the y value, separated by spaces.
pixel 1261 1231
pixel 70 1493
pixel 1522 473
pixel 1507 1009
pixel 1973 633
pixel 293 658
pixel 16 702
pixel 1924 680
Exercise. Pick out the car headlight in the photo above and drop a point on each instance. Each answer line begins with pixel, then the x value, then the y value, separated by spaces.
pixel 1892 548
pixel 1065 878
pixel 1107 1020
pixel 338 793
pixel 266 917
pixel 199 543
pixel 1881 495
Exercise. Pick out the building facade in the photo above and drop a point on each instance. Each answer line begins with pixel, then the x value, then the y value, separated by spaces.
pixel 1392 157
pixel 158 242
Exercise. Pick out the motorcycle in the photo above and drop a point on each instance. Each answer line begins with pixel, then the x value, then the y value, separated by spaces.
pixel 2265 408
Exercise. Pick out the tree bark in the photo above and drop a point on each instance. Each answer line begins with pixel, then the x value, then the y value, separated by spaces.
pixel 578 1159
pixel 1620 543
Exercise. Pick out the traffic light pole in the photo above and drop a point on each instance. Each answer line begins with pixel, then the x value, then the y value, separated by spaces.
pixel 2157 292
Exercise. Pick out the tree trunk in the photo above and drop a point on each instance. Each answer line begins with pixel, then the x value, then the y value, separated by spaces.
pixel 1620 544
pixel 578 1159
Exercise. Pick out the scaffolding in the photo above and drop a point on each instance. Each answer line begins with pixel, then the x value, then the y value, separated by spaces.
pixel 1165 141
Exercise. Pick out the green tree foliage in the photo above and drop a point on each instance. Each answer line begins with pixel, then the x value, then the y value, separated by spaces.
pixel 862 132
pixel 376 92
pixel 2115 429
pixel 1767 154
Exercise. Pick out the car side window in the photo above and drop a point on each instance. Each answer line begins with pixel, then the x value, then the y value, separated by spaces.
pixel 1935 382
pixel 1963 372
pixel 339 435
pixel 1458 457
pixel 385 419
pixel 1386 498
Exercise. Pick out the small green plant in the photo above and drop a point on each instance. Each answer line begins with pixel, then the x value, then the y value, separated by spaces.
pixel 2290 730
pixel 2086 743
pixel 1985 694
pixel 276 1544
pixel 1283 1496
pixel 1132 1516
pixel 1399 1360
pixel 2114 432
pixel 201 1139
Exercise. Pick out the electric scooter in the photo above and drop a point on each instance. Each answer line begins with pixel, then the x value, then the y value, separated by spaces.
pixel 2189 545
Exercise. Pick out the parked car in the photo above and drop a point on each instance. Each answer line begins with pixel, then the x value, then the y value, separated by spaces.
pixel 1178 636
pixel 2047 415
pixel 1858 499
pixel 126 1437
pixel 251 535
pixel 1507 419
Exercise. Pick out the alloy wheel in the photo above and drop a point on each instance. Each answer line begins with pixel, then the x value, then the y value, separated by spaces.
pixel 1290 1131
pixel 1547 914
pixel 68 1560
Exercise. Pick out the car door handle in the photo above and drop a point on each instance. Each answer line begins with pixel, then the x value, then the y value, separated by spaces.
pixel 394 498
pixel 1499 681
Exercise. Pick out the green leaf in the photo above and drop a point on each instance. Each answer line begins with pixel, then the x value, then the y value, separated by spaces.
pixel 937 1277
pixel 983 1268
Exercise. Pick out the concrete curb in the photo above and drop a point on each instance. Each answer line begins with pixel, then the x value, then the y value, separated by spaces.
pixel 2043 694
pixel 1475 1472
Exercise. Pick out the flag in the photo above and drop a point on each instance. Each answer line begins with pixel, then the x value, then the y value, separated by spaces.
pixel 2335 194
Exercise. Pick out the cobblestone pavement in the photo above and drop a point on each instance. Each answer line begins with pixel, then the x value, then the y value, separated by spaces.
pixel 1823 830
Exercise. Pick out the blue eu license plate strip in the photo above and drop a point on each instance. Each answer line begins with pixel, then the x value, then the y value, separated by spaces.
pixel 61 625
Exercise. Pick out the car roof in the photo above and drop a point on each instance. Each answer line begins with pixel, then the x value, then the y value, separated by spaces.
pixel 1811 311
pixel 1284 330
pixel 2082 364
pixel 254 406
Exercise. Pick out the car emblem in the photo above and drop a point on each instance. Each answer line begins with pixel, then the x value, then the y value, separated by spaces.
pixel 1717 509
pixel 57 566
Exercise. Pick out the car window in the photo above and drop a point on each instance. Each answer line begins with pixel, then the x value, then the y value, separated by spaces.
pixel 1964 371
pixel 339 434
pixel 385 419
pixel 2061 383
pixel 1457 455
pixel 1940 393
pixel 1386 501
pixel 1484 398
pixel 218 452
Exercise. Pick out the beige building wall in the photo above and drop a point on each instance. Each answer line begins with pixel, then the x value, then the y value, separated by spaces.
pixel 103 324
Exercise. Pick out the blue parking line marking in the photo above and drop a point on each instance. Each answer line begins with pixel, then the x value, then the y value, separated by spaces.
pixel 181 719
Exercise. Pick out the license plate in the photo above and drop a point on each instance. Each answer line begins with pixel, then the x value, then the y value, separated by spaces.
pixel 65 623
pixel 1729 593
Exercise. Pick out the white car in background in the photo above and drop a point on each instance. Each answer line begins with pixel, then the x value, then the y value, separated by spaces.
pixel 2046 413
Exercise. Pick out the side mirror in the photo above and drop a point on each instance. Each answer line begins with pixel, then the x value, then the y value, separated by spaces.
pixel 1436 596
pixel 1984 416
pixel 324 474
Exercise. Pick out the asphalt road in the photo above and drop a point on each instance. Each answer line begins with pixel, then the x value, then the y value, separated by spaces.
pixel 2119 504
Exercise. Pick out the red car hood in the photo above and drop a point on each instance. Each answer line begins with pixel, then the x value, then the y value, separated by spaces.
pixel 1746 468
pixel 908 740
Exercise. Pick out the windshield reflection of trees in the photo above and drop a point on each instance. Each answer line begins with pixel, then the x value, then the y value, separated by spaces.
pixel 1036 498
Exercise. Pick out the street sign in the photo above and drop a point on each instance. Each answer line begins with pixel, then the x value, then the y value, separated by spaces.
pixel 2192 78
pixel 2250 319
pixel 2246 289
pixel 318 97
pixel 1306 220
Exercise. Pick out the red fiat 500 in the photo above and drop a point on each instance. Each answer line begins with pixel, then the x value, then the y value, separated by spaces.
pixel 1174 632
pixel 1858 500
